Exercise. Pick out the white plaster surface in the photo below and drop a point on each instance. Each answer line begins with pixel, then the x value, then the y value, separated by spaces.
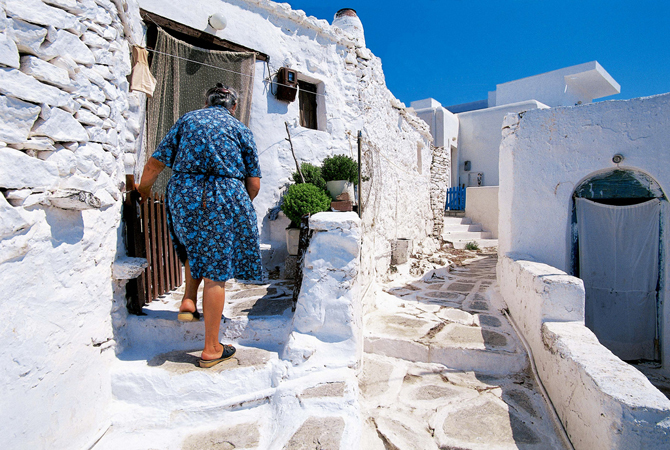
pixel 563 87
pixel 481 206
pixel 56 262
pixel 479 137
pixel 545 154
pixel 593 391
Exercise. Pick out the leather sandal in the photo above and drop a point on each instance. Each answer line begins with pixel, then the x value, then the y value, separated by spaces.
pixel 187 316
pixel 228 352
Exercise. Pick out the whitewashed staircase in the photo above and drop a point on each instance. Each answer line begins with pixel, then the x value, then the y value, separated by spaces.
pixel 461 230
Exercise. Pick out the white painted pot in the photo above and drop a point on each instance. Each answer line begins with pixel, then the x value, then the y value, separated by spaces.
pixel 338 186
pixel 292 240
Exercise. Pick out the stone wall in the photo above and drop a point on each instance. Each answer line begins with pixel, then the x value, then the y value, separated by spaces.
pixel 546 153
pixel 66 121
pixel 440 171
pixel 603 402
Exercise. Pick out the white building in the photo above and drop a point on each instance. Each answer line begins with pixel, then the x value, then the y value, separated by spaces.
pixel 70 132
pixel 475 152
pixel 583 193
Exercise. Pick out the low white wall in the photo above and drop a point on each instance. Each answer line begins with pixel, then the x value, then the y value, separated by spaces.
pixel 481 205
pixel 327 324
pixel 602 402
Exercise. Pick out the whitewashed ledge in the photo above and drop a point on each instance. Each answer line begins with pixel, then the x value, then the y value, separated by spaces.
pixel 128 268
pixel 603 402
pixel 327 331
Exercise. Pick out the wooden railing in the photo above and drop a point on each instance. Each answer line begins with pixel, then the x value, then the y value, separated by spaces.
pixel 147 236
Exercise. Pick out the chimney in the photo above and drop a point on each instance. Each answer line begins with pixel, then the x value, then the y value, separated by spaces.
pixel 347 20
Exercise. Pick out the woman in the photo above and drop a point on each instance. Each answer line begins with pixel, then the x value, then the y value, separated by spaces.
pixel 215 177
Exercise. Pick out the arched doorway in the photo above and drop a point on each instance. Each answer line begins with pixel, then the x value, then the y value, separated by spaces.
pixel 616 252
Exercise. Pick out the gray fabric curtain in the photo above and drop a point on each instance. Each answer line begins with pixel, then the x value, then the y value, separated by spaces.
pixel 183 74
pixel 618 261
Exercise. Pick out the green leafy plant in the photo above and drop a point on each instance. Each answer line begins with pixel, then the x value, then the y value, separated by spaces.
pixel 312 175
pixel 339 167
pixel 304 198
pixel 472 245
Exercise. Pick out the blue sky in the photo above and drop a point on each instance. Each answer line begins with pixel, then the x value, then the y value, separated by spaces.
pixel 457 50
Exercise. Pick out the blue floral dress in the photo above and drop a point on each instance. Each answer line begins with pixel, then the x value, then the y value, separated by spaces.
pixel 211 218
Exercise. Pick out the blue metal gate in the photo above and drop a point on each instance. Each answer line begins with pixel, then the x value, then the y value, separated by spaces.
pixel 455 199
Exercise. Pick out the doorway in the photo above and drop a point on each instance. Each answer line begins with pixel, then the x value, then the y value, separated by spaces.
pixel 616 252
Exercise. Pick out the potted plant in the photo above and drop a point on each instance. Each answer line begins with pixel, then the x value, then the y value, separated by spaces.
pixel 301 199
pixel 341 174
pixel 312 175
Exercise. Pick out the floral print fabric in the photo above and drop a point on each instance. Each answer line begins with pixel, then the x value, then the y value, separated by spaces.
pixel 212 220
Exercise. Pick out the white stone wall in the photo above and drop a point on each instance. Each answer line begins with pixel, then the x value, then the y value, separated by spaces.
pixel 545 154
pixel 66 120
pixel 481 205
pixel 479 136
pixel 602 402
pixel 397 154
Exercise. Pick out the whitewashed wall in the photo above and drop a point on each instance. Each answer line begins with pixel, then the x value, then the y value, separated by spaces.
pixel 603 402
pixel 546 153
pixel 479 136
pixel 397 157
pixel 66 119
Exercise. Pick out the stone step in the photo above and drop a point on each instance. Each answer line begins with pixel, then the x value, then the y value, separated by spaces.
pixel 481 243
pixel 455 228
pixel 171 390
pixel 464 235
pixel 448 220
pixel 442 324
pixel 256 315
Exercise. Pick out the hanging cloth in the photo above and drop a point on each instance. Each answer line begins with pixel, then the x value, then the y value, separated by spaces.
pixel 141 79
pixel 618 261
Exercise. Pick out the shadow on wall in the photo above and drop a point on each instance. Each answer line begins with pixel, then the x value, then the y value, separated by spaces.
pixel 67 227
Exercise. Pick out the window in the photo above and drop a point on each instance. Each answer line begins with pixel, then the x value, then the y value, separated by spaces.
pixel 308 104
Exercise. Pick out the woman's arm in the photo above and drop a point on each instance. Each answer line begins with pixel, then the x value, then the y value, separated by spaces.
pixel 152 169
pixel 253 185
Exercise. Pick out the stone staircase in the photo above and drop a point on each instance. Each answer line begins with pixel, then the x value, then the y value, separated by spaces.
pixel 460 231
pixel 444 369
pixel 163 400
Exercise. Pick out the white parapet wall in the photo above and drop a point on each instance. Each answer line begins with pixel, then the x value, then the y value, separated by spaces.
pixel 481 205
pixel 602 402
pixel 327 325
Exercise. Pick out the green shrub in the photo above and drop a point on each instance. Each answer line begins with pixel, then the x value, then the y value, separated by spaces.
pixel 312 175
pixel 304 198
pixel 472 245
pixel 339 167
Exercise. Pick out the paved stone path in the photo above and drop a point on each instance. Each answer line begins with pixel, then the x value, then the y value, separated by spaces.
pixel 444 369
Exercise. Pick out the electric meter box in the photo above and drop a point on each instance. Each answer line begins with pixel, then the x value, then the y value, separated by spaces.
pixel 287 84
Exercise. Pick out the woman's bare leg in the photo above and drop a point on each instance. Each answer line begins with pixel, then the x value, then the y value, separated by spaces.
pixel 214 297
pixel 189 302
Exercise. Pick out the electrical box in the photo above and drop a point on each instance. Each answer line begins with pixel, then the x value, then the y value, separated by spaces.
pixel 287 84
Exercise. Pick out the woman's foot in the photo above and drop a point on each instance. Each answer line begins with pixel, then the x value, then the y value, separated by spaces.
pixel 221 353
pixel 188 311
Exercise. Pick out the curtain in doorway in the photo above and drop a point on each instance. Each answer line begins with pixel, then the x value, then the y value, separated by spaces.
pixel 183 74
pixel 618 261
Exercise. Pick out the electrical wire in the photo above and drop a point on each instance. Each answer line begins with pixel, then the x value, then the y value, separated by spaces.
pixel 229 70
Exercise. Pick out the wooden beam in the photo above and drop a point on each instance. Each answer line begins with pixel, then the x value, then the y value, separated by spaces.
pixel 170 24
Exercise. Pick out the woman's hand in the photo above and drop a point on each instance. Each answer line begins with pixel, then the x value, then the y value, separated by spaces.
pixel 145 192
pixel 253 185
pixel 152 169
